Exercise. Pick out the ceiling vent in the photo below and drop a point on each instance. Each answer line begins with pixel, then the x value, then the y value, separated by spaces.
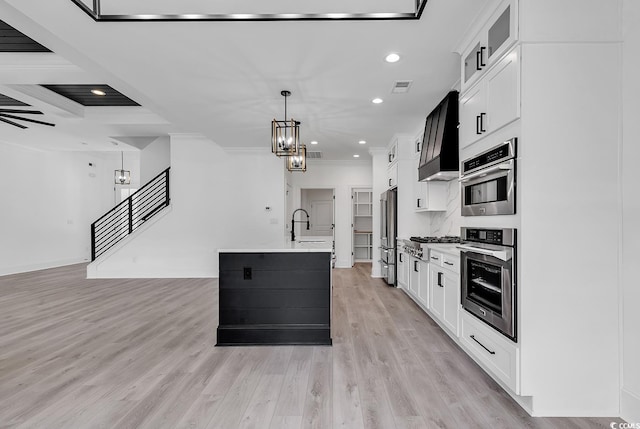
pixel 314 155
pixel 401 86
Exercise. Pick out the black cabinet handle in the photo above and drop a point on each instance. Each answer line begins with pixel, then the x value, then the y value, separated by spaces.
pixel 482 49
pixel 434 258
pixel 482 116
pixel 478 60
pixel 415 266
pixel 389 182
pixel 440 280
pixel 400 255
pixel 478 125
pixel 448 263
pixel 418 203
pixel 390 157
pixel 482 345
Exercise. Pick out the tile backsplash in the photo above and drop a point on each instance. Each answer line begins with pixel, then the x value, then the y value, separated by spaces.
pixel 449 222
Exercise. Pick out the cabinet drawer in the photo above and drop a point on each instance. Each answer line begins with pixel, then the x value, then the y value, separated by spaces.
pixel 435 257
pixel 499 355
pixel 450 262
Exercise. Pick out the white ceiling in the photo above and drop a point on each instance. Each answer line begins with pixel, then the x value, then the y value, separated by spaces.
pixel 223 79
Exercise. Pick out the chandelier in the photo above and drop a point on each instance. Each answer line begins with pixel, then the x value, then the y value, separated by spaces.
pixel 285 135
pixel 122 176
pixel 298 162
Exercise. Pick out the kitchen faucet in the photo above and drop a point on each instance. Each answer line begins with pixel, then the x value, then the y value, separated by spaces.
pixel 293 222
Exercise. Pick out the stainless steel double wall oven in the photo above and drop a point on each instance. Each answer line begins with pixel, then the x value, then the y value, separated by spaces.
pixel 488 254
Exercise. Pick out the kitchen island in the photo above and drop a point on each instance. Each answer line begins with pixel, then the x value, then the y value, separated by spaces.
pixel 276 295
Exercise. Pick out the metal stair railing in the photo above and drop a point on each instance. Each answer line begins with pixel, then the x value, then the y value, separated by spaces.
pixel 130 214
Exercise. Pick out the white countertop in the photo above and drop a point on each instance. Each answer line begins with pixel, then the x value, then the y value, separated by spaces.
pixel 302 244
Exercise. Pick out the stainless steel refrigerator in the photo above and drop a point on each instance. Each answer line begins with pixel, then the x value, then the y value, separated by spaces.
pixel 389 225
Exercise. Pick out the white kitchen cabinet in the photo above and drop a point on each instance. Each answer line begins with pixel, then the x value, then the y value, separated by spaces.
pixel 493 102
pixel 392 153
pixel 392 176
pixel 499 355
pixel 493 40
pixel 444 285
pixel 402 269
pixel 428 196
pixel 423 285
pixel 414 275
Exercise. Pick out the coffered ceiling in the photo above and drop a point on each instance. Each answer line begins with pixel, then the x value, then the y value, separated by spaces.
pixel 223 79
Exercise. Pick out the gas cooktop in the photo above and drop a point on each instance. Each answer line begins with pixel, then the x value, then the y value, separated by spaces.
pixel 445 239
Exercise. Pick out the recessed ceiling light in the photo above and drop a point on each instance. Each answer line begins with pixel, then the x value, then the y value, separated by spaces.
pixel 377 100
pixel 362 142
pixel 98 92
pixel 356 156
pixel 84 143
pixel 392 58
pixel 314 142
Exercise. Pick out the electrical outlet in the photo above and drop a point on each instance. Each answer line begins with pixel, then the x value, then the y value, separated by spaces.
pixel 247 273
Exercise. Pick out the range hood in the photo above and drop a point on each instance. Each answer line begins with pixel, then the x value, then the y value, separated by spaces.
pixel 439 156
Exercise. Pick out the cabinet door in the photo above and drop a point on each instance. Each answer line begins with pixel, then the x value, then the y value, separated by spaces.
pixel 501 32
pixel 392 176
pixel 472 108
pixel 436 286
pixel 401 271
pixel 472 63
pixel 423 283
pixel 503 100
pixel 414 275
pixel 451 301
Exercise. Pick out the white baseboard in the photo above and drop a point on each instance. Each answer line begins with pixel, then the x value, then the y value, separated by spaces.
pixel 629 406
pixel 5 271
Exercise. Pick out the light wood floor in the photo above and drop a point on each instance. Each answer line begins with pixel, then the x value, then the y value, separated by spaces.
pixel 77 353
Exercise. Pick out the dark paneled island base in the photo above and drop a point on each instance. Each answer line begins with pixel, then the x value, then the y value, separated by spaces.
pixel 275 298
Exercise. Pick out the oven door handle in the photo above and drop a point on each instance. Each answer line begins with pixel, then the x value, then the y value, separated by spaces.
pixel 503 255
pixel 498 167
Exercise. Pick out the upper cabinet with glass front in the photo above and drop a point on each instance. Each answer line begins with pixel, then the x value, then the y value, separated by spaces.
pixel 493 40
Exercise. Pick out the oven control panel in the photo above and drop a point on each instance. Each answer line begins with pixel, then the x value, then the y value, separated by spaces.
pixel 500 237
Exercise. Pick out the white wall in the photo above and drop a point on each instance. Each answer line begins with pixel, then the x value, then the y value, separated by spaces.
pixel 219 199
pixel 154 159
pixel 341 176
pixel 379 171
pixel 630 299
pixel 49 200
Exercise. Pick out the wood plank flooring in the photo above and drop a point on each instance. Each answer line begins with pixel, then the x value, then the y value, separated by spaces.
pixel 78 353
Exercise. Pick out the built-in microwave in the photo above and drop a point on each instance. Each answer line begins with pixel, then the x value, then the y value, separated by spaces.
pixel 489 181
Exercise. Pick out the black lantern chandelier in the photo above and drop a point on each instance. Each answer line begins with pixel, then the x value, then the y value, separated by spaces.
pixel 298 162
pixel 285 135
pixel 122 176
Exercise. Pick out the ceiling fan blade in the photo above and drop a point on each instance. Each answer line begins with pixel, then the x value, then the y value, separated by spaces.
pixel 2 114
pixel 27 112
pixel 12 123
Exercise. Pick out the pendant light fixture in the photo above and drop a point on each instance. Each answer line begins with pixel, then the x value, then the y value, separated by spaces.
pixel 122 176
pixel 298 162
pixel 285 135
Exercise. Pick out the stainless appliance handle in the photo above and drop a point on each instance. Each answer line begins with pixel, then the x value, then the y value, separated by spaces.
pixel 498 167
pixel 503 255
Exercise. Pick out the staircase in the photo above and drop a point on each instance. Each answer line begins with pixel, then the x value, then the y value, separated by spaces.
pixel 130 214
